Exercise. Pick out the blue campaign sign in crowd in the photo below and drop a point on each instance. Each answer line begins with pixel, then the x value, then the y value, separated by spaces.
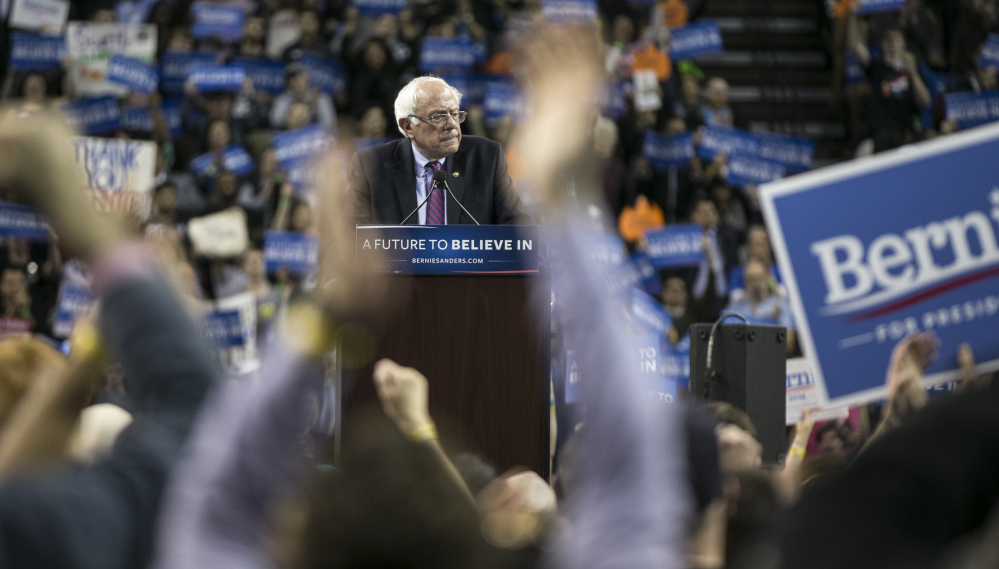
pixel 234 159
pixel 876 6
pixel 742 171
pixel 223 328
pixel 23 222
pixel 99 115
pixel 267 76
pixel 330 75
pixel 438 54
pixel 665 151
pixel 378 7
pixel 213 77
pixel 675 246
pixel 648 313
pixel 694 40
pixel 215 20
pixel 34 52
pixel 137 75
pixel 502 99
pixel 298 253
pixel 569 11
pixel 175 68
pixel 973 109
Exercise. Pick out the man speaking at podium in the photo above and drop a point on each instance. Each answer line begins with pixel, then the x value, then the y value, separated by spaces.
pixel 388 182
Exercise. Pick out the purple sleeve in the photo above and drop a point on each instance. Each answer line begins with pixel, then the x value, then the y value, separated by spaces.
pixel 630 506
pixel 243 455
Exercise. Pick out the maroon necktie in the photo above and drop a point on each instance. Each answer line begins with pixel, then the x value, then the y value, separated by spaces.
pixel 435 207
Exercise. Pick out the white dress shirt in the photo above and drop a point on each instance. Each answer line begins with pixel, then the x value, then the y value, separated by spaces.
pixel 421 185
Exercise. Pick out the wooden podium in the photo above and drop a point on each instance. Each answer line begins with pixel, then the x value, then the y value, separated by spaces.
pixel 478 331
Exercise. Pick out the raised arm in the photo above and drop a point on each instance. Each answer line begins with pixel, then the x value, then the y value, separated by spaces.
pixel 855 43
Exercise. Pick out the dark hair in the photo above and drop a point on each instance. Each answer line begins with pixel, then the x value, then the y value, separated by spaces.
pixel 751 535
pixel 731 415
pixel 831 426
pixel 391 505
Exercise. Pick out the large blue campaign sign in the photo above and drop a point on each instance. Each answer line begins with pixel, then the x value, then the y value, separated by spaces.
pixel 215 20
pixel 267 75
pixel 645 353
pixel 296 252
pixel 31 52
pixel 727 141
pixel 664 151
pixel 675 246
pixel 693 40
pixel 23 222
pixel 676 362
pixel 132 73
pixel 213 77
pixel 877 249
pixel 379 7
pixel 648 314
pixel 93 116
pixel 175 66
pixel 452 249
pixel 503 99
pixel 569 11
pixel 875 6
pixel 973 109
pixel 437 54
pixel 613 100
pixel 742 171
pixel 329 74
pixel 636 271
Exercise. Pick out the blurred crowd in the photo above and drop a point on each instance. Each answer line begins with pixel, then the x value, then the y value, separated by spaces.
pixel 207 473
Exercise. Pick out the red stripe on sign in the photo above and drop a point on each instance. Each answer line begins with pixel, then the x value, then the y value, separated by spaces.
pixel 923 295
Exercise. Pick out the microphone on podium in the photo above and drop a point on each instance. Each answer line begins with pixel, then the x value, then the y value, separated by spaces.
pixel 433 187
pixel 441 178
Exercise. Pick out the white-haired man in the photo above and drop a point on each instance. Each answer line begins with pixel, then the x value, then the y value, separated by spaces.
pixel 388 181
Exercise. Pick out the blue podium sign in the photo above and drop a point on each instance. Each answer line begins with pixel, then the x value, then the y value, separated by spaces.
pixel 452 249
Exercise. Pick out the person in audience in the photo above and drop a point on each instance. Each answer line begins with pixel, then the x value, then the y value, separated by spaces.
pixel 757 249
pixel 102 515
pixel 762 304
pixel 897 89
pixel 310 40
pixel 299 90
pixel 831 439
pixel 715 109
pixel 374 79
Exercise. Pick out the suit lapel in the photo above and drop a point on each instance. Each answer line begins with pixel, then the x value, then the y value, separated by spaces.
pixel 404 172
pixel 455 164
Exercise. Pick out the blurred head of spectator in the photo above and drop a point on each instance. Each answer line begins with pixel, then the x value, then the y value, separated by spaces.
pixel 757 281
pixel 758 245
pixel 390 505
pixel 387 27
pixel 604 137
pixel 297 80
pixel 893 50
pixel 375 55
pixel 255 268
pixel 830 439
pixel 308 24
pixel 14 293
pixel 301 217
pixel 675 296
pixel 421 104
pixel 180 40
pixel 374 124
pixel 165 204
pixel 219 135
pixel 21 361
pixel 251 48
pixel 255 29
pixel 705 214
pixel 730 208
pixel 225 192
pixel 623 32
pixel 103 15
pixel 299 115
pixel 716 110
pixel 690 89
pixel 676 126
pixel 737 445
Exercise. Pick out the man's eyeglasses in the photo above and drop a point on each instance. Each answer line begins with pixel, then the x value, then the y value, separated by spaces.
pixel 440 119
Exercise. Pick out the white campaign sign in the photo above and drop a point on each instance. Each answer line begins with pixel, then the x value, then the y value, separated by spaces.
pixel 220 235
pixel 45 16
pixel 241 359
pixel 90 46
pixel 119 173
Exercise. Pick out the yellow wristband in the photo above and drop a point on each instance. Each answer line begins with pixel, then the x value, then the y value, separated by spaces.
pixel 423 433
pixel 798 451
pixel 85 344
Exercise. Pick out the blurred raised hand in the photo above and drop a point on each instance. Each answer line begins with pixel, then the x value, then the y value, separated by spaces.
pixel 560 71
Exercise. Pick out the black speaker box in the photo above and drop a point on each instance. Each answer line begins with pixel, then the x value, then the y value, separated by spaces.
pixel 750 372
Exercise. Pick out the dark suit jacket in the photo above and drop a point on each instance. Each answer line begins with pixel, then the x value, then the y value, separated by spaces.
pixel 383 184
